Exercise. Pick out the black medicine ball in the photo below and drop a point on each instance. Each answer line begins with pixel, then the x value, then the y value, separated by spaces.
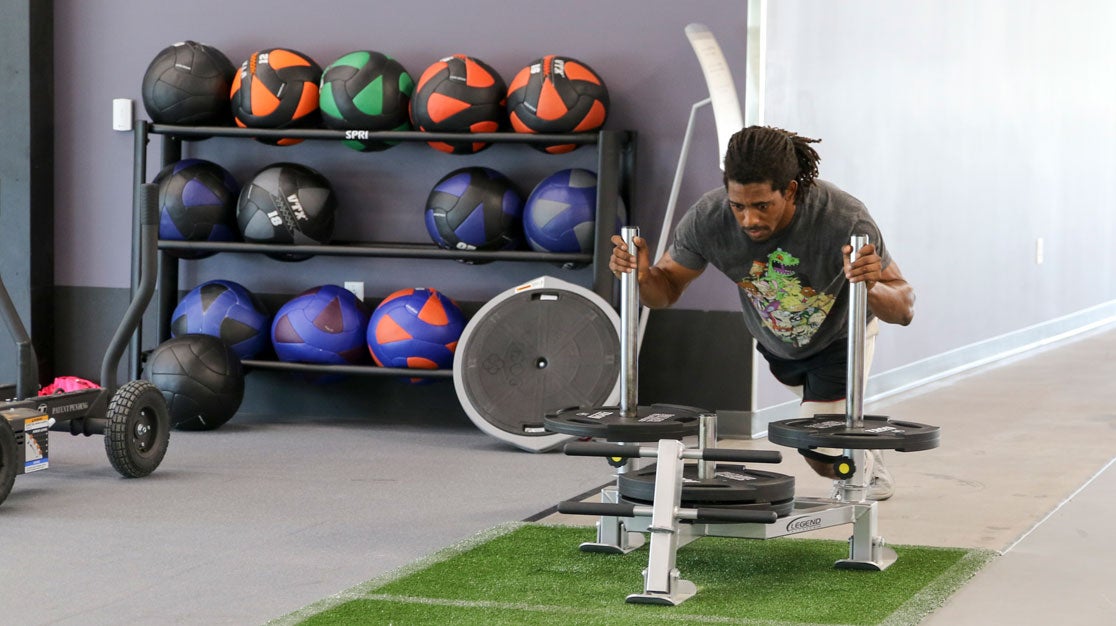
pixel 188 84
pixel 287 203
pixel 201 379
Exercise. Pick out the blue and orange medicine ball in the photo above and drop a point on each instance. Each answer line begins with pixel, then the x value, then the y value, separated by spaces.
pixel 460 94
pixel 415 328
pixel 226 310
pixel 557 94
pixel 323 325
pixel 475 208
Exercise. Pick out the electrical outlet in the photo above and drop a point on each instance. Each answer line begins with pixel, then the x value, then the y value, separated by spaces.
pixel 357 287
pixel 1038 251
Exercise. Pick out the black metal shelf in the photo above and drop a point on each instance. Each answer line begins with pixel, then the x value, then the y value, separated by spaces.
pixel 379 249
pixel 203 132
pixel 361 370
pixel 615 174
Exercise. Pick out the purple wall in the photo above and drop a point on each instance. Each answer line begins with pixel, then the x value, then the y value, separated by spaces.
pixel 638 46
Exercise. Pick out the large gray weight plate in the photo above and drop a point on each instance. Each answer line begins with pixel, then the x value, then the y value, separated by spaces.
pixel 832 431
pixel 532 350
pixel 730 484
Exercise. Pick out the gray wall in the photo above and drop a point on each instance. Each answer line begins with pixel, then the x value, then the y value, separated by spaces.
pixel 27 178
pixel 970 129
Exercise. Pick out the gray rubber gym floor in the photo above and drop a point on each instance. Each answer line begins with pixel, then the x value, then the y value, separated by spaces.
pixel 270 513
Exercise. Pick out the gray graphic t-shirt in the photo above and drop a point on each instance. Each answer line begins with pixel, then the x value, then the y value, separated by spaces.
pixel 792 286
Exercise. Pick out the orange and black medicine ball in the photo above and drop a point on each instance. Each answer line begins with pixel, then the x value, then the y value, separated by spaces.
pixel 460 94
pixel 276 88
pixel 557 94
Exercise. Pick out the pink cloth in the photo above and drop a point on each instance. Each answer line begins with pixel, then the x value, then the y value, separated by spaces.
pixel 67 383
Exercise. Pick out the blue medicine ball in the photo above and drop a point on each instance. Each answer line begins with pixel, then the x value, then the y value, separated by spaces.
pixel 561 211
pixel 197 202
pixel 474 208
pixel 323 325
pixel 226 310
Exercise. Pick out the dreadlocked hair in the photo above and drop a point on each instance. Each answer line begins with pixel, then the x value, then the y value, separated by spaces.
pixel 759 154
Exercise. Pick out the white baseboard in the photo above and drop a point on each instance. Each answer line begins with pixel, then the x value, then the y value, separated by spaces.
pixel 753 424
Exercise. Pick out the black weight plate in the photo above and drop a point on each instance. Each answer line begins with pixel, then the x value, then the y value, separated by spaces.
pixel 537 352
pixel 651 423
pixel 782 508
pixel 730 484
pixel 832 431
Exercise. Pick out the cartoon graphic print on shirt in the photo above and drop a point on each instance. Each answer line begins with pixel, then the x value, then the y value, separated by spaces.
pixel 792 311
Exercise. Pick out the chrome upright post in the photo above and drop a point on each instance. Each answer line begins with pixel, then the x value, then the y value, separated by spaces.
pixel 629 332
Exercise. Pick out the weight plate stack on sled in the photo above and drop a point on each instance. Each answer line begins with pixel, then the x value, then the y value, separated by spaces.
pixel 730 486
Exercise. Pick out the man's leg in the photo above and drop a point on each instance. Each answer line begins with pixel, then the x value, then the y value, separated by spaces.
pixel 881 486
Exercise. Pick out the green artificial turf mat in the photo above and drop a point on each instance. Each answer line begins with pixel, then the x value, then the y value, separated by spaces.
pixel 534 574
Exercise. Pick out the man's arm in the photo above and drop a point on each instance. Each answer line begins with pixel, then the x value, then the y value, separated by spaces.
pixel 660 285
pixel 890 297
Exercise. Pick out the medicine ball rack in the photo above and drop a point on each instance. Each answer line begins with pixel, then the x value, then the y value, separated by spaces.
pixel 615 171
pixel 677 507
